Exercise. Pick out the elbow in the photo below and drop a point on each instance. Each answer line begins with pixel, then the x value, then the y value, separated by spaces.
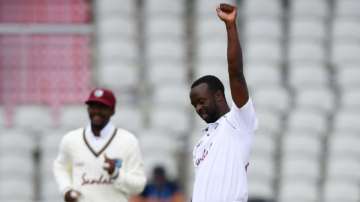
pixel 140 185
pixel 131 185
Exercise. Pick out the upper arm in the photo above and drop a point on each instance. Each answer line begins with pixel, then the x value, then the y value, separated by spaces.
pixel 239 90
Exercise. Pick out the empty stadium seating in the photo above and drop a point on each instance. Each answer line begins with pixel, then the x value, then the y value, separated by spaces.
pixel 301 61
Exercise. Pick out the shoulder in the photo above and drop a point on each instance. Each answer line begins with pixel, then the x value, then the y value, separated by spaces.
pixel 72 136
pixel 127 136
pixel 244 116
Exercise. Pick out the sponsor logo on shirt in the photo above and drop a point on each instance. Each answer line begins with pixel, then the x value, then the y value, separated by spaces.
pixel 203 156
pixel 101 180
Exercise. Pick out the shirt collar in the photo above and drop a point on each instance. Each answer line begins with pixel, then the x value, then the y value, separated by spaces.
pixel 212 126
pixel 105 132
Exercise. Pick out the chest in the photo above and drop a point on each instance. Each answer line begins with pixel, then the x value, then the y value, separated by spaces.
pixel 84 155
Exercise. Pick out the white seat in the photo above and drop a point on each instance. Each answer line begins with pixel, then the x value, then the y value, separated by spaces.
pixel 172 95
pixel 309 8
pixel 16 141
pixel 342 53
pixel 275 99
pixel 212 50
pixel 160 27
pixel 347 8
pixel 337 190
pixel 114 49
pixel 50 142
pixel 261 189
pixel 348 76
pixel 259 75
pixel 111 7
pixel 345 169
pixel 269 122
pixel 350 99
pixel 319 99
pixel 261 168
pixel 345 29
pixel 3 120
pixel 209 28
pixel 268 8
pixel 165 50
pixel 119 26
pixel 347 121
pixel 29 117
pixel 160 73
pixel 128 117
pixel 290 190
pixel 74 116
pixel 16 166
pixel 307 122
pixel 300 168
pixel 16 190
pixel 306 51
pixel 263 28
pixel 164 7
pixel 343 144
pixel 263 51
pixel 298 143
pixel 158 141
pixel 164 118
pixel 50 190
pixel 263 144
pixel 47 164
pixel 118 77
pixel 309 76
pixel 216 68
pixel 307 29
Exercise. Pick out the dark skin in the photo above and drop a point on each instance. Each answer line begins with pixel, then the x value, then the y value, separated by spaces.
pixel 99 115
pixel 212 105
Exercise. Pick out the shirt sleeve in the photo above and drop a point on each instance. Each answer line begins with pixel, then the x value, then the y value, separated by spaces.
pixel 132 178
pixel 244 117
pixel 62 168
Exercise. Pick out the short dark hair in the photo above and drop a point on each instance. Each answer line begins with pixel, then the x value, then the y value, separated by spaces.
pixel 214 83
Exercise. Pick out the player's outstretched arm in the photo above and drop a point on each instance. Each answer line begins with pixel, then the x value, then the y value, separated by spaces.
pixel 239 92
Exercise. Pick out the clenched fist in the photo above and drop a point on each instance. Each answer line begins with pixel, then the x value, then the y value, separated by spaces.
pixel 227 13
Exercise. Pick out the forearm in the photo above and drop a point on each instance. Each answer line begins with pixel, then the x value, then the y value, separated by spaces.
pixel 234 52
pixel 130 183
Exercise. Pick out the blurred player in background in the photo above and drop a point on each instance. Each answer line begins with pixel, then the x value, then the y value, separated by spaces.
pixel 221 156
pixel 99 163
pixel 160 189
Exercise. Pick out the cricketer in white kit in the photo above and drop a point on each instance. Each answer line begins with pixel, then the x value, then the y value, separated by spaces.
pixel 99 163
pixel 221 156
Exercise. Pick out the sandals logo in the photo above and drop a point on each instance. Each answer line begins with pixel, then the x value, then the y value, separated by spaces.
pixel 203 156
pixel 102 180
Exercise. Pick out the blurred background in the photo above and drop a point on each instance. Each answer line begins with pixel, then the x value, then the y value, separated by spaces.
pixel 302 64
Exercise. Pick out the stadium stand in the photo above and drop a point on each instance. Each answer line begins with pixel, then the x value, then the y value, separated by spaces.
pixel 301 63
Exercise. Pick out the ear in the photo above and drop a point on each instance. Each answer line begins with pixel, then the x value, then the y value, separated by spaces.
pixel 218 96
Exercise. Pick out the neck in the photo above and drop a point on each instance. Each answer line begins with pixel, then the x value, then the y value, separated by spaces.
pixel 223 109
pixel 97 130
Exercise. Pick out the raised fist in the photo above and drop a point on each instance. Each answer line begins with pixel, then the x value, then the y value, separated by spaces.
pixel 227 13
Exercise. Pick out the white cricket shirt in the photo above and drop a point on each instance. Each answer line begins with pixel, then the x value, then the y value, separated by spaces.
pixel 221 156
pixel 79 165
